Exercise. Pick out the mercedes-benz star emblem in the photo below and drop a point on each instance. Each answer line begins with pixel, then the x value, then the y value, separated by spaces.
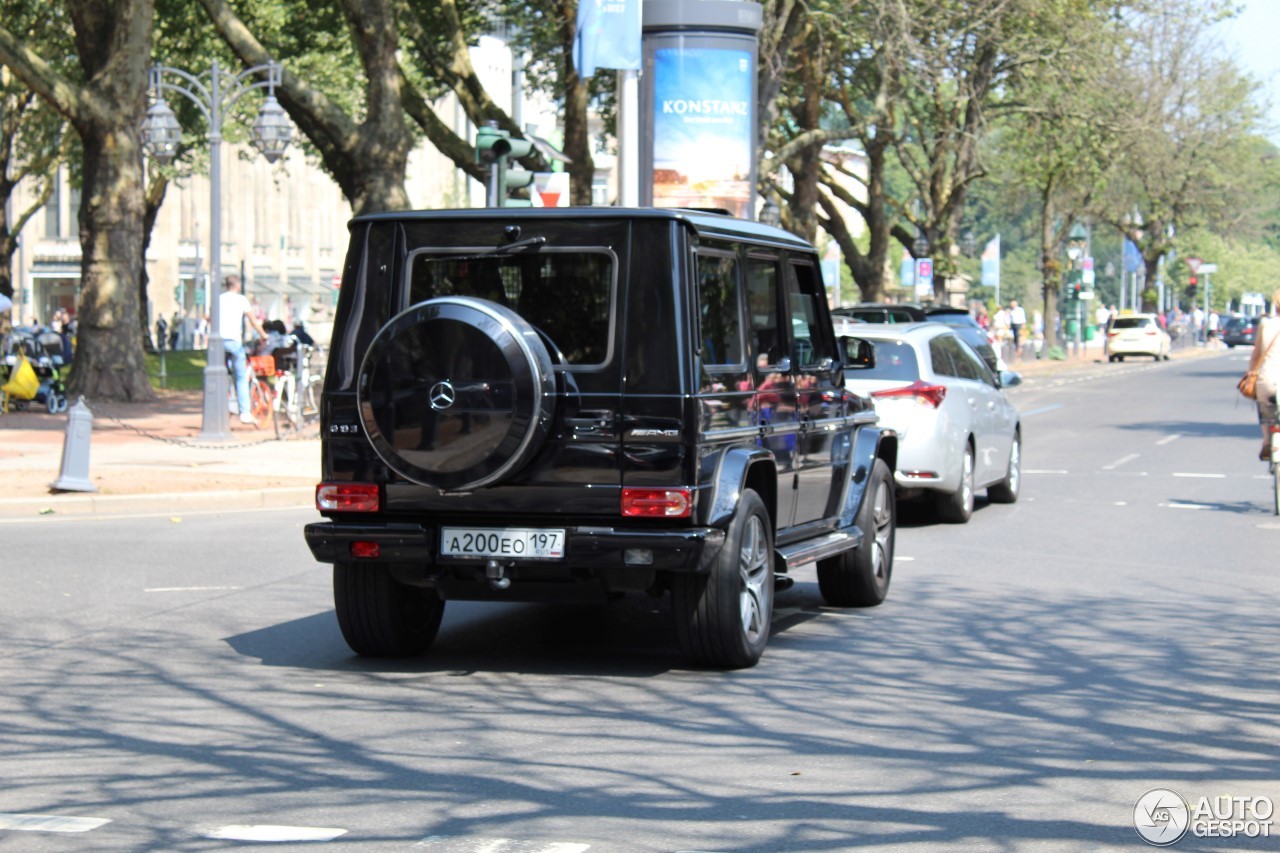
pixel 442 395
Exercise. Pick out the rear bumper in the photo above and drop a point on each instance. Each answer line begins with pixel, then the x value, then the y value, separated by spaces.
pixel 594 549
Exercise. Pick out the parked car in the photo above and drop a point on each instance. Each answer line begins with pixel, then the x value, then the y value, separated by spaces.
pixel 1240 332
pixel 1137 334
pixel 966 326
pixel 551 404
pixel 908 312
pixel 883 312
pixel 957 430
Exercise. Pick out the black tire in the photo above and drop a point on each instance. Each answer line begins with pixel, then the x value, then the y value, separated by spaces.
pixel 1007 490
pixel 957 507
pixel 860 578
pixel 456 393
pixel 1111 358
pixel 723 618
pixel 381 617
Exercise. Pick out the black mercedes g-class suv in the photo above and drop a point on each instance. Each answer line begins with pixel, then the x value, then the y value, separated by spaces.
pixel 547 404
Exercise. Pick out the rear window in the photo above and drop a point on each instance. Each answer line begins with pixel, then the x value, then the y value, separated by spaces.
pixel 894 360
pixel 566 294
pixel 1132 323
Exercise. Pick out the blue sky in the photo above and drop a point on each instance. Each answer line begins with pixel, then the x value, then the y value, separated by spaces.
pixel 1251 39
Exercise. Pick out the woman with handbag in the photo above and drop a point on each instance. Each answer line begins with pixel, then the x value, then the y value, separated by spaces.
pixel 1265 366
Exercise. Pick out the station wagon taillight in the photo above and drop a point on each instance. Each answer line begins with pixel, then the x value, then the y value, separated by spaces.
pixel 925 394
pixel 657 503
pixel 348 497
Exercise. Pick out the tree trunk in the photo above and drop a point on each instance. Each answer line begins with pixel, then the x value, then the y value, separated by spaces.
pixel 577 136
pixel 113 46
pixel 1051 269
pixel 109 362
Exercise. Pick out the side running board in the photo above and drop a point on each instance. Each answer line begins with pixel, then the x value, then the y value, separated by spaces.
pixel 845 539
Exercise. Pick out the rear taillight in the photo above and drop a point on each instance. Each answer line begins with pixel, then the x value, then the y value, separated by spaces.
pixel 348 497
pixel 1151 332
pixel 930 395
pixel 657 503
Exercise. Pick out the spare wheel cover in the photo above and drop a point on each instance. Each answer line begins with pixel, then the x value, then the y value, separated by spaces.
pixel 456 393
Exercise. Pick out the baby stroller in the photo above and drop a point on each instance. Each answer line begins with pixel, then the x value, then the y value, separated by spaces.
pixel 42 350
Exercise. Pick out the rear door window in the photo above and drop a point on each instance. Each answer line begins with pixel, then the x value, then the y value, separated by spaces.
pixel 720 311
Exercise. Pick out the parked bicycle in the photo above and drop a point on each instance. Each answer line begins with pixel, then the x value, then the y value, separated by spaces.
pixel 299 373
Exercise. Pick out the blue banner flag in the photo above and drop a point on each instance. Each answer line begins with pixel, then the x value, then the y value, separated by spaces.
pixel 991 264
pixel 607 36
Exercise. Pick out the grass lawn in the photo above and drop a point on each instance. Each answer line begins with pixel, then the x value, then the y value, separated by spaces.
pixel 183 370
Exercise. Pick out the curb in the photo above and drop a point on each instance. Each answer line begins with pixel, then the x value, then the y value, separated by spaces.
pixel 171 503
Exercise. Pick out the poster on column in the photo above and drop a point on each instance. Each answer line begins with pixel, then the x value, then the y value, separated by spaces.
pixel 702 127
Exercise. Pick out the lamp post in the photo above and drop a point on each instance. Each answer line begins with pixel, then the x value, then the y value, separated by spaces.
pixel 214 94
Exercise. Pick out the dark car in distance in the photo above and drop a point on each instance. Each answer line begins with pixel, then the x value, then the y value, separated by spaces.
pixel 554 404
pixel 1240 332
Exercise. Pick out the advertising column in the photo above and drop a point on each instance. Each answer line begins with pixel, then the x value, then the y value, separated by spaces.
pixel 699 94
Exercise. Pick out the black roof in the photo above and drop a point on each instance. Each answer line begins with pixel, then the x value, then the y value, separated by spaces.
pixel 704 222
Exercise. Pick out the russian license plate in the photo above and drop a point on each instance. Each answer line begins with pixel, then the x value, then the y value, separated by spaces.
pixel 516 542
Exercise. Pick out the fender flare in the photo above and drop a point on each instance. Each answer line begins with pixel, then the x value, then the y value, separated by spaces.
pixel 729 479
pixel 869 444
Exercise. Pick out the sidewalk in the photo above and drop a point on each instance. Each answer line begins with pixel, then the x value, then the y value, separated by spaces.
pixel 147 457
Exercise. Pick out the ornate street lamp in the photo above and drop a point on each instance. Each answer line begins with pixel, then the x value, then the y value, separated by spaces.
pixel 968 244
pixel 770 213
pixel 214 94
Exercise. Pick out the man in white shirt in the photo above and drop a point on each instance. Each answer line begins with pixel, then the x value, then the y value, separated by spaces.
pixel 1017 319
pixel 233 310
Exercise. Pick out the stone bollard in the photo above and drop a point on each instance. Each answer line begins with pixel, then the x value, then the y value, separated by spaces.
pixel 74 476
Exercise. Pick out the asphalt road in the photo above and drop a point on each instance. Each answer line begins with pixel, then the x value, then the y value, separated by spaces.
pixel 180 683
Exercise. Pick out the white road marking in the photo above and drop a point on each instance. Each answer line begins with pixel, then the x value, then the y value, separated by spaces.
pixel 1168 438
pixel 1185 506
pixel 898 558
pixel 1201 476
pixel 1041 410
pixel 50 823
pixel 463 844
pixel 1119 462
pixel 1045 471
pixel 268 832
pixel 191 588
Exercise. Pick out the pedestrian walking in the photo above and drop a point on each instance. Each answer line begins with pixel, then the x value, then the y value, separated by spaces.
pixel 1017 320
pixel 234 311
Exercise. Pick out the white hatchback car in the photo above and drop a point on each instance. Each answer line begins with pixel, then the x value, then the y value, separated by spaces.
pixel 1137 334
pixel 957 431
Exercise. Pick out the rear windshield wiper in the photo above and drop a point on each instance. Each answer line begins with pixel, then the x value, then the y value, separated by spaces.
pixel 529 243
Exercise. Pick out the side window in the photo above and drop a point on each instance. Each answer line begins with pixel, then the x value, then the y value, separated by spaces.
pixel 974 368
pixel 813 344
pixel 768 343
pixel 719 310
pixel 966 364
pixel 940 356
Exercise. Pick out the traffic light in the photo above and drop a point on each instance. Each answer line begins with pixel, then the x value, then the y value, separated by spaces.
pixel 1191 287
pixel 496 149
